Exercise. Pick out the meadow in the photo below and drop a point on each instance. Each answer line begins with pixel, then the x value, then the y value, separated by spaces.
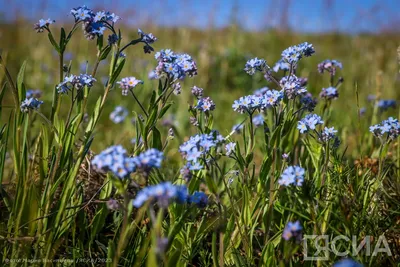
pixel 200 155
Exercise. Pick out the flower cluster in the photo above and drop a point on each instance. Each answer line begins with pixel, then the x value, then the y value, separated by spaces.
pixel 205 104
pixel 250 103
pixel 308 102
pixel 328 134
pixel 329 93
pixel 30 104
pixel 166 193
pixel 294 53
pixel 119 114
pixel 33 93
pixel 43 24
pixel 391 127
pixel 163 194
pixel 329 66
pixel 115 159
pixel 198 146
pixel 198 198
pixel 256 64
pixel 75 81
pixel 148 160
pixel 309 122
pixel 197 92
pixel 128 83
pixel 176 66
pixel 177 88
pixel 112 39
pixel 292 229
pixel 94 24
pixel 292 86
pixel 385 104
pixel 147 39
pixel 292 175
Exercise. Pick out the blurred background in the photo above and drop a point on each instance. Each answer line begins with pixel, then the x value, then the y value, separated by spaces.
pixel 222 35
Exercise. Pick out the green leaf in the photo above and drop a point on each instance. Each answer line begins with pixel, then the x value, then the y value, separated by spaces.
pixel 315 151
pixel 54 43
pixel 100 43
pixel 3 90
pixel 152 101
pixel 117 71
pixel 20 82
pixel 62 40
pixel 164 110
pixel 151 120
pixel 160 87
pixel 105 52
pixel 156 139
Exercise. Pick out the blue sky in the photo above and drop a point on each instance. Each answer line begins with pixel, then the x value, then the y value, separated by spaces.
pixel 302 15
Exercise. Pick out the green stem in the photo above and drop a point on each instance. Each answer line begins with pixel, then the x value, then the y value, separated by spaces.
pixel 137 100
pixel 121 241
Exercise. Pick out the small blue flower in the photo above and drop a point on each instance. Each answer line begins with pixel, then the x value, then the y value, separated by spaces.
pixel 347 263
pixel 329 93
pixel 43 24
pixel 230 148
pixel 77 82
pixel 128 83
pixel 385 104
pixel 82 13
pixel 252 103
pixel 30 104
pixel 292 230
pixel 99 16
pixel 390 127
pixel 329 66
pixel 292 86
pixel 292 175
pixel 195 166
pixel 328 134
pixel 309 122
pixel 175 66
pixel 302 126
pixel 197 92
pixel 256 64
pixel 294 53
pixel 205 104
pixel 198 198
pixel 114 159
pixel 148 38
pixel 308 102
pixel 163 194
pixel 197 147
pixel 119 114
pixel 148 160
pixel 113 39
